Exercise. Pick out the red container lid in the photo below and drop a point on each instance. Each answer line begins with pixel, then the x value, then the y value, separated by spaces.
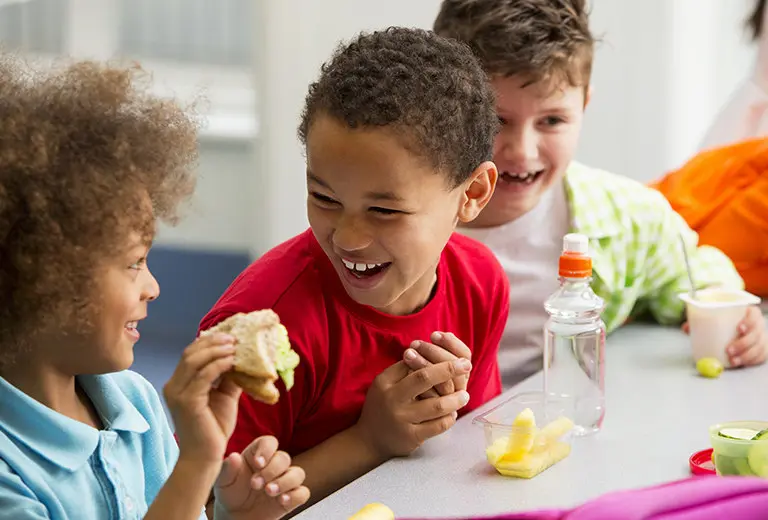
pixel 701 463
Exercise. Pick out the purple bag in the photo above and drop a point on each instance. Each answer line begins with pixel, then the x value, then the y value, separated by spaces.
pixel 699 498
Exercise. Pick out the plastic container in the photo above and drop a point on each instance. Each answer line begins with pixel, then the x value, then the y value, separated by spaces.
pixel 747 458
pixel 714 318
pixel 550 439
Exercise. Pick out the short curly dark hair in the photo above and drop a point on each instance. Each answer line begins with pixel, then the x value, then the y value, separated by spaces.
pixel 430 90
pixel 83 148
pixel 543 40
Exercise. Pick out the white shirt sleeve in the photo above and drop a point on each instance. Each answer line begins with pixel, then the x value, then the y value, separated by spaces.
pixel 744 117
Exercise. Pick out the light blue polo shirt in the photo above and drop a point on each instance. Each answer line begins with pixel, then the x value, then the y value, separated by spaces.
pixel 57 468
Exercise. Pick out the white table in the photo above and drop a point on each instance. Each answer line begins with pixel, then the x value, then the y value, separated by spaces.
pixel 658 411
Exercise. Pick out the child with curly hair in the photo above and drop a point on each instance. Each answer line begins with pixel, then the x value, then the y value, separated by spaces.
pixel 89 161
pixel 399 132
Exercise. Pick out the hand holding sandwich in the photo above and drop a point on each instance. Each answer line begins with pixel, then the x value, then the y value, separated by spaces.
pixel 259 484
pixel 204 416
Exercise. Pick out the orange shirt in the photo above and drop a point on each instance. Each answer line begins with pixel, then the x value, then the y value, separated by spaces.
pixel 723 195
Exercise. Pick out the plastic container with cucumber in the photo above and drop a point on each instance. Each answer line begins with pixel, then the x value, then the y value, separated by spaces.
pixel 740 448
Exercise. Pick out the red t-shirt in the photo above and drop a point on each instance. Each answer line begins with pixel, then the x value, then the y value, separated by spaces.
pixel 344 345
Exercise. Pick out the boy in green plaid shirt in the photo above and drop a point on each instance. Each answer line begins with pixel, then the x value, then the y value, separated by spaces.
pixel 538 54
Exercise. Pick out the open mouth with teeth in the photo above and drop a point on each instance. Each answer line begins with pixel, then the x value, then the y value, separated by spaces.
pixel 521 178
pixel 365 270
pixel 132 329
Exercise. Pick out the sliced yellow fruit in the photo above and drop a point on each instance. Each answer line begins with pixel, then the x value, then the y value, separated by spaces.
pixel 533 464
pixel 496 451
pixel 375 511
pixel 552 432
pixel 522 436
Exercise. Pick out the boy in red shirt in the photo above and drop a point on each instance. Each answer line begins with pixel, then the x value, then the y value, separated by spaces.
pixel 399 133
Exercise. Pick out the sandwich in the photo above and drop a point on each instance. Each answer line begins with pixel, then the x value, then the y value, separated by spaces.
pixel 263 353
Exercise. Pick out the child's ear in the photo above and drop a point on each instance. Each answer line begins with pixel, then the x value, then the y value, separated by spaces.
pixel 478 190
pixel 587 95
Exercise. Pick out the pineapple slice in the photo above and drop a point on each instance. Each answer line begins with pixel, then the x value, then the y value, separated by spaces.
pixel 496 451
pixel 522 436
pixel 534 463
pixel 551 433
pixel 374 511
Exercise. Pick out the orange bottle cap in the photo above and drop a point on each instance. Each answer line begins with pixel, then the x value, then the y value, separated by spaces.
pixel 575 261
pixel 575 265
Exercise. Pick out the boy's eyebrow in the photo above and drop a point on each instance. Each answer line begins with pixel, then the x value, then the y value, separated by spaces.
pixel 372 195
pixel 317 180
pixel 548 109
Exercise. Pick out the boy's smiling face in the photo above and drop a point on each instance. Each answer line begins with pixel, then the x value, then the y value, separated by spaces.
pixel 382 214
pixel 538 138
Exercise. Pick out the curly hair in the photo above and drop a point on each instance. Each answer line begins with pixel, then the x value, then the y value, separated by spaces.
pixel 543 40
pixel 754 22
pixel 430 91
pixel 83 147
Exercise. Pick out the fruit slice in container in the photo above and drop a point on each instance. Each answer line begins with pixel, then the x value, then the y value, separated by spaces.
pixel 374 511
pixel 551 433
pixel 521 437
pixel 740 434
pixel 534 463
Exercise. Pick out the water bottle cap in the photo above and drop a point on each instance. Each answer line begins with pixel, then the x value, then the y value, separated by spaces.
pixel 575 262
pixel 576 243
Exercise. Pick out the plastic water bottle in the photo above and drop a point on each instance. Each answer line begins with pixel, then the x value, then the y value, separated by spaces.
pixel 574 338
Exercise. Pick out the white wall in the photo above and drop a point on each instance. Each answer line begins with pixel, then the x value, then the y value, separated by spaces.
pixel 219 215
pixel 622 126
pixel 662 71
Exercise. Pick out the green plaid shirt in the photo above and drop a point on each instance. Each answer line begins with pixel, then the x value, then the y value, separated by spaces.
pixel 637 258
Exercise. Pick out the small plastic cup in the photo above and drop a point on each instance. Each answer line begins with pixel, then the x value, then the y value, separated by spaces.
pixel 746 458
pixel 713 317
pixel 548 447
